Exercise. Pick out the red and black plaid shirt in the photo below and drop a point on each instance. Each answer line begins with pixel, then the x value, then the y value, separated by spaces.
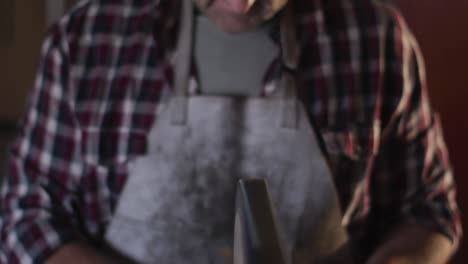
pixel 102 72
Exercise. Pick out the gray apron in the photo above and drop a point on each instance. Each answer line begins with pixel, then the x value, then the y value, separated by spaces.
pixel 178 203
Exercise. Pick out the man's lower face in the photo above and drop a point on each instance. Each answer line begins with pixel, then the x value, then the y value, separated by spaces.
pixel 239 15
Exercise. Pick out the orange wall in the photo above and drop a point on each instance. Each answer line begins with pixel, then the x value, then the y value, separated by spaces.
pixel 19 58
pixel 442 30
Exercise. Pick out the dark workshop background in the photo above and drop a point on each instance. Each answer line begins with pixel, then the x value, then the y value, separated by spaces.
pixel 440 26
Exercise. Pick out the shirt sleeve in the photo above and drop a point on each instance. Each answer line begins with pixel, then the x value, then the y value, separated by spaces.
pixel 413 177
pixel 37 194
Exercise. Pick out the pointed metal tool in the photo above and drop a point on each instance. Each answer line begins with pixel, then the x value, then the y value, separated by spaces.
pixel 257 235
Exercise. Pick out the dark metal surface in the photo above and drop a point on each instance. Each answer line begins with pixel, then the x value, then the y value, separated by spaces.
pixel 257 226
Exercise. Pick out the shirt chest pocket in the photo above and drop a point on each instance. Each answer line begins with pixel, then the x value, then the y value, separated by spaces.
pixel 110 147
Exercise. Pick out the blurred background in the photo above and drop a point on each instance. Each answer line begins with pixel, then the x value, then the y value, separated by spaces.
pixel 441 28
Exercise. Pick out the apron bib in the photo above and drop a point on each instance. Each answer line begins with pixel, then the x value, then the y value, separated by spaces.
pixel 178 203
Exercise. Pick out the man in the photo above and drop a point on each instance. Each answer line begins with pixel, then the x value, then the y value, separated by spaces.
pixel 108 67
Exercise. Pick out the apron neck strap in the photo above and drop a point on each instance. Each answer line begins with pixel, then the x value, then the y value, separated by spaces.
pixel 183 62
pixel 288 39
pixel 290 54
pixel 184 48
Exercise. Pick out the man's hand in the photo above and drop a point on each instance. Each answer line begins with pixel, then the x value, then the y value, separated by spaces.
pixel 80 253
pixel 412 243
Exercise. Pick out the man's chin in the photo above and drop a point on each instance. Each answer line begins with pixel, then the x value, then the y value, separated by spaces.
pixel 231 24
pixel 235 29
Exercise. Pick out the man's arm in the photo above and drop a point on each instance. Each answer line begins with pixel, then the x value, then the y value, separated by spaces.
pixel 414 190
pixel 38 195
pixel 78 253
pixel 410 243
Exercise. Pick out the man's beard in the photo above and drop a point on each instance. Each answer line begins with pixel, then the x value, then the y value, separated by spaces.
pixel 257 12
pixel 256 8
pixel 206 3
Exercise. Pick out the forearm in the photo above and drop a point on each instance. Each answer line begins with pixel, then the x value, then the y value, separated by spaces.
pixel 78 253
pixel 412 243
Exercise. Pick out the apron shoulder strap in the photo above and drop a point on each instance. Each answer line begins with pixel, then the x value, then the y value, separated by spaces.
pixel 183 63
pixel 290 54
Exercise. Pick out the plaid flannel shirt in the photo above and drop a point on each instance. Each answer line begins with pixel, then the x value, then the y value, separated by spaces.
pixel 103 69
